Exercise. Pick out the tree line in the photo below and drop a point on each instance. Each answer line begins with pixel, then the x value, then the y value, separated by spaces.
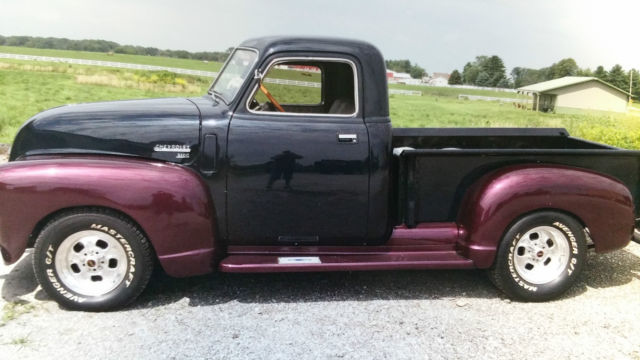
pixel 490 71
pixel 108 47
pixel 405 66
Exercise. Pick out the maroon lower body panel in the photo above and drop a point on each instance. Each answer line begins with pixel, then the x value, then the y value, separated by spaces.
pixel 390 261
pixel 176 264
pixel 428 246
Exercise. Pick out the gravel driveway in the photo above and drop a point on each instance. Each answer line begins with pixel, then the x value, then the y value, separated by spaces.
pixel 358 315
pixel 362 315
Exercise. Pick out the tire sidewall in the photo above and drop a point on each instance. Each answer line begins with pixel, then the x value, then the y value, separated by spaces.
pixel 49 242
pixel 514 283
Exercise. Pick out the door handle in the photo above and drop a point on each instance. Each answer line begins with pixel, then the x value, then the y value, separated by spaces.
pixel 348 138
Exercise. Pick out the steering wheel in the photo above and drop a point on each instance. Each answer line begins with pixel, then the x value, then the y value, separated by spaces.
pixel 270 97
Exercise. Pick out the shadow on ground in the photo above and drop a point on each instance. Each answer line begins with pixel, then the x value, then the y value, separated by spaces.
pixel 602 271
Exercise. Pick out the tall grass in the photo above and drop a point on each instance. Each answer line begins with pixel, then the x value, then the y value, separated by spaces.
pixel 27 91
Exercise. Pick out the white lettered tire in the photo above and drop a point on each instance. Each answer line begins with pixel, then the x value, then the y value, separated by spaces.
pixel 92 260
pixel 540 256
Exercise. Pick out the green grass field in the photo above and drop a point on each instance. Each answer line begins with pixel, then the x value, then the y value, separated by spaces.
pixel 132 59
pixel 29 87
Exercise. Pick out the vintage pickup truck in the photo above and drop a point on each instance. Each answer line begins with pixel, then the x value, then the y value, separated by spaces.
pixel 264 175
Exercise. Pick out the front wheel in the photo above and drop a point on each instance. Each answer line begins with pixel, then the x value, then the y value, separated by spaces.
pixel 92 260
pixel 540 256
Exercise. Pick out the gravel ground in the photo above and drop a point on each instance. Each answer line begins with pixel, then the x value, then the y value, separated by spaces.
pixel 358 315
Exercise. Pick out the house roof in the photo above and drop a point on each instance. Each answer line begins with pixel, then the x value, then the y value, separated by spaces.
pixel 554 84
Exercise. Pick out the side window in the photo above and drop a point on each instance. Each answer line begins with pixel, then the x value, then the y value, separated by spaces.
pixel 306 87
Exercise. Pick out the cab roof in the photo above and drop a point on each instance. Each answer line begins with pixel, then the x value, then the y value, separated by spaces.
pixel 373 80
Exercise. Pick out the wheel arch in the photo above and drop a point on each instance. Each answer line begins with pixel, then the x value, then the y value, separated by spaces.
pixel 37 229
pixel 170 203
pixel 496 201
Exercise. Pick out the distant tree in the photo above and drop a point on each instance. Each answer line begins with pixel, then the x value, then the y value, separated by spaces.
pixel 470 73
pixel 564 67
pixel 471 70
pixel 151 51
pixel 107 47
pixel 618 78
pixel 455 78
pixel 417 72
pixel 505 84
pixel 399 65
pixel 483 79
pixel 518 74
pixel 491 66
pixel 405 66
pixel 600 73
pixel 585 72
pixel 17 40
pixel 635 90
pixel 494 67
pixel 126 49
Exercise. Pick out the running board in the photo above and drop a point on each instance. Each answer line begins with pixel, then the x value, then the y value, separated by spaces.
pixel 358 262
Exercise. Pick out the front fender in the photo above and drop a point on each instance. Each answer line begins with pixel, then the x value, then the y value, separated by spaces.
pixel 170 202
pixel 600 202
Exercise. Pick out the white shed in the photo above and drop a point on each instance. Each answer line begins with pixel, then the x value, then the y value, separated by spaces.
pixel 577 92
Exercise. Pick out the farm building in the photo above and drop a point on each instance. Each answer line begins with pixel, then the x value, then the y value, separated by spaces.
pixel 394 77
pixel 576 92
pixel 437 79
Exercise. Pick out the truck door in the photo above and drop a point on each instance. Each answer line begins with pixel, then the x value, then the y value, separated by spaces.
pixel 299 156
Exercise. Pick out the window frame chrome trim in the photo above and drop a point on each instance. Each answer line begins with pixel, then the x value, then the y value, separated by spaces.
pixel 224 66
pixel 274 62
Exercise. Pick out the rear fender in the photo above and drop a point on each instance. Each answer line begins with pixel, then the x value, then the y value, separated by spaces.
pixel 493 203
pixel 170 202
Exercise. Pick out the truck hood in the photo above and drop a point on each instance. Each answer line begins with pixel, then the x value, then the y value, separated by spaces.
pixel 164 129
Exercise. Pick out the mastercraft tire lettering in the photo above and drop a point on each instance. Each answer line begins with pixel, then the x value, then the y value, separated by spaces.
pixel 540 256
pixel 92 260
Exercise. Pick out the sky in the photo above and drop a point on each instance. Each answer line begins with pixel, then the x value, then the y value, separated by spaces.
pixel 438 35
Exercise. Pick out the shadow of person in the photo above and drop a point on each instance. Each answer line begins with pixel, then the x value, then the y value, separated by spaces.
pixel 283 166
pixel 20 280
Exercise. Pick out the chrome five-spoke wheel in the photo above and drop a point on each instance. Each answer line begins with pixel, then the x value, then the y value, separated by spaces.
pixel 91 262
pixel 541 254
pixel 92 259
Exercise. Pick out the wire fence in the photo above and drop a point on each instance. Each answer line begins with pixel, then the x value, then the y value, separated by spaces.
pixel 112 64
pixel 492 98
pixel 209 74
pixel 405 92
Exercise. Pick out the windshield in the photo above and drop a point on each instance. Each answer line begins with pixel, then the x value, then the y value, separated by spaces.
pixel 234 73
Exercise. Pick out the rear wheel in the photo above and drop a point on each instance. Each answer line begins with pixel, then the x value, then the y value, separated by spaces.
pixel 540 256
pixel 92 260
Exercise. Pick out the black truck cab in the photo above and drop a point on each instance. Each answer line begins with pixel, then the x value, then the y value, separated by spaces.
pixel 313 168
